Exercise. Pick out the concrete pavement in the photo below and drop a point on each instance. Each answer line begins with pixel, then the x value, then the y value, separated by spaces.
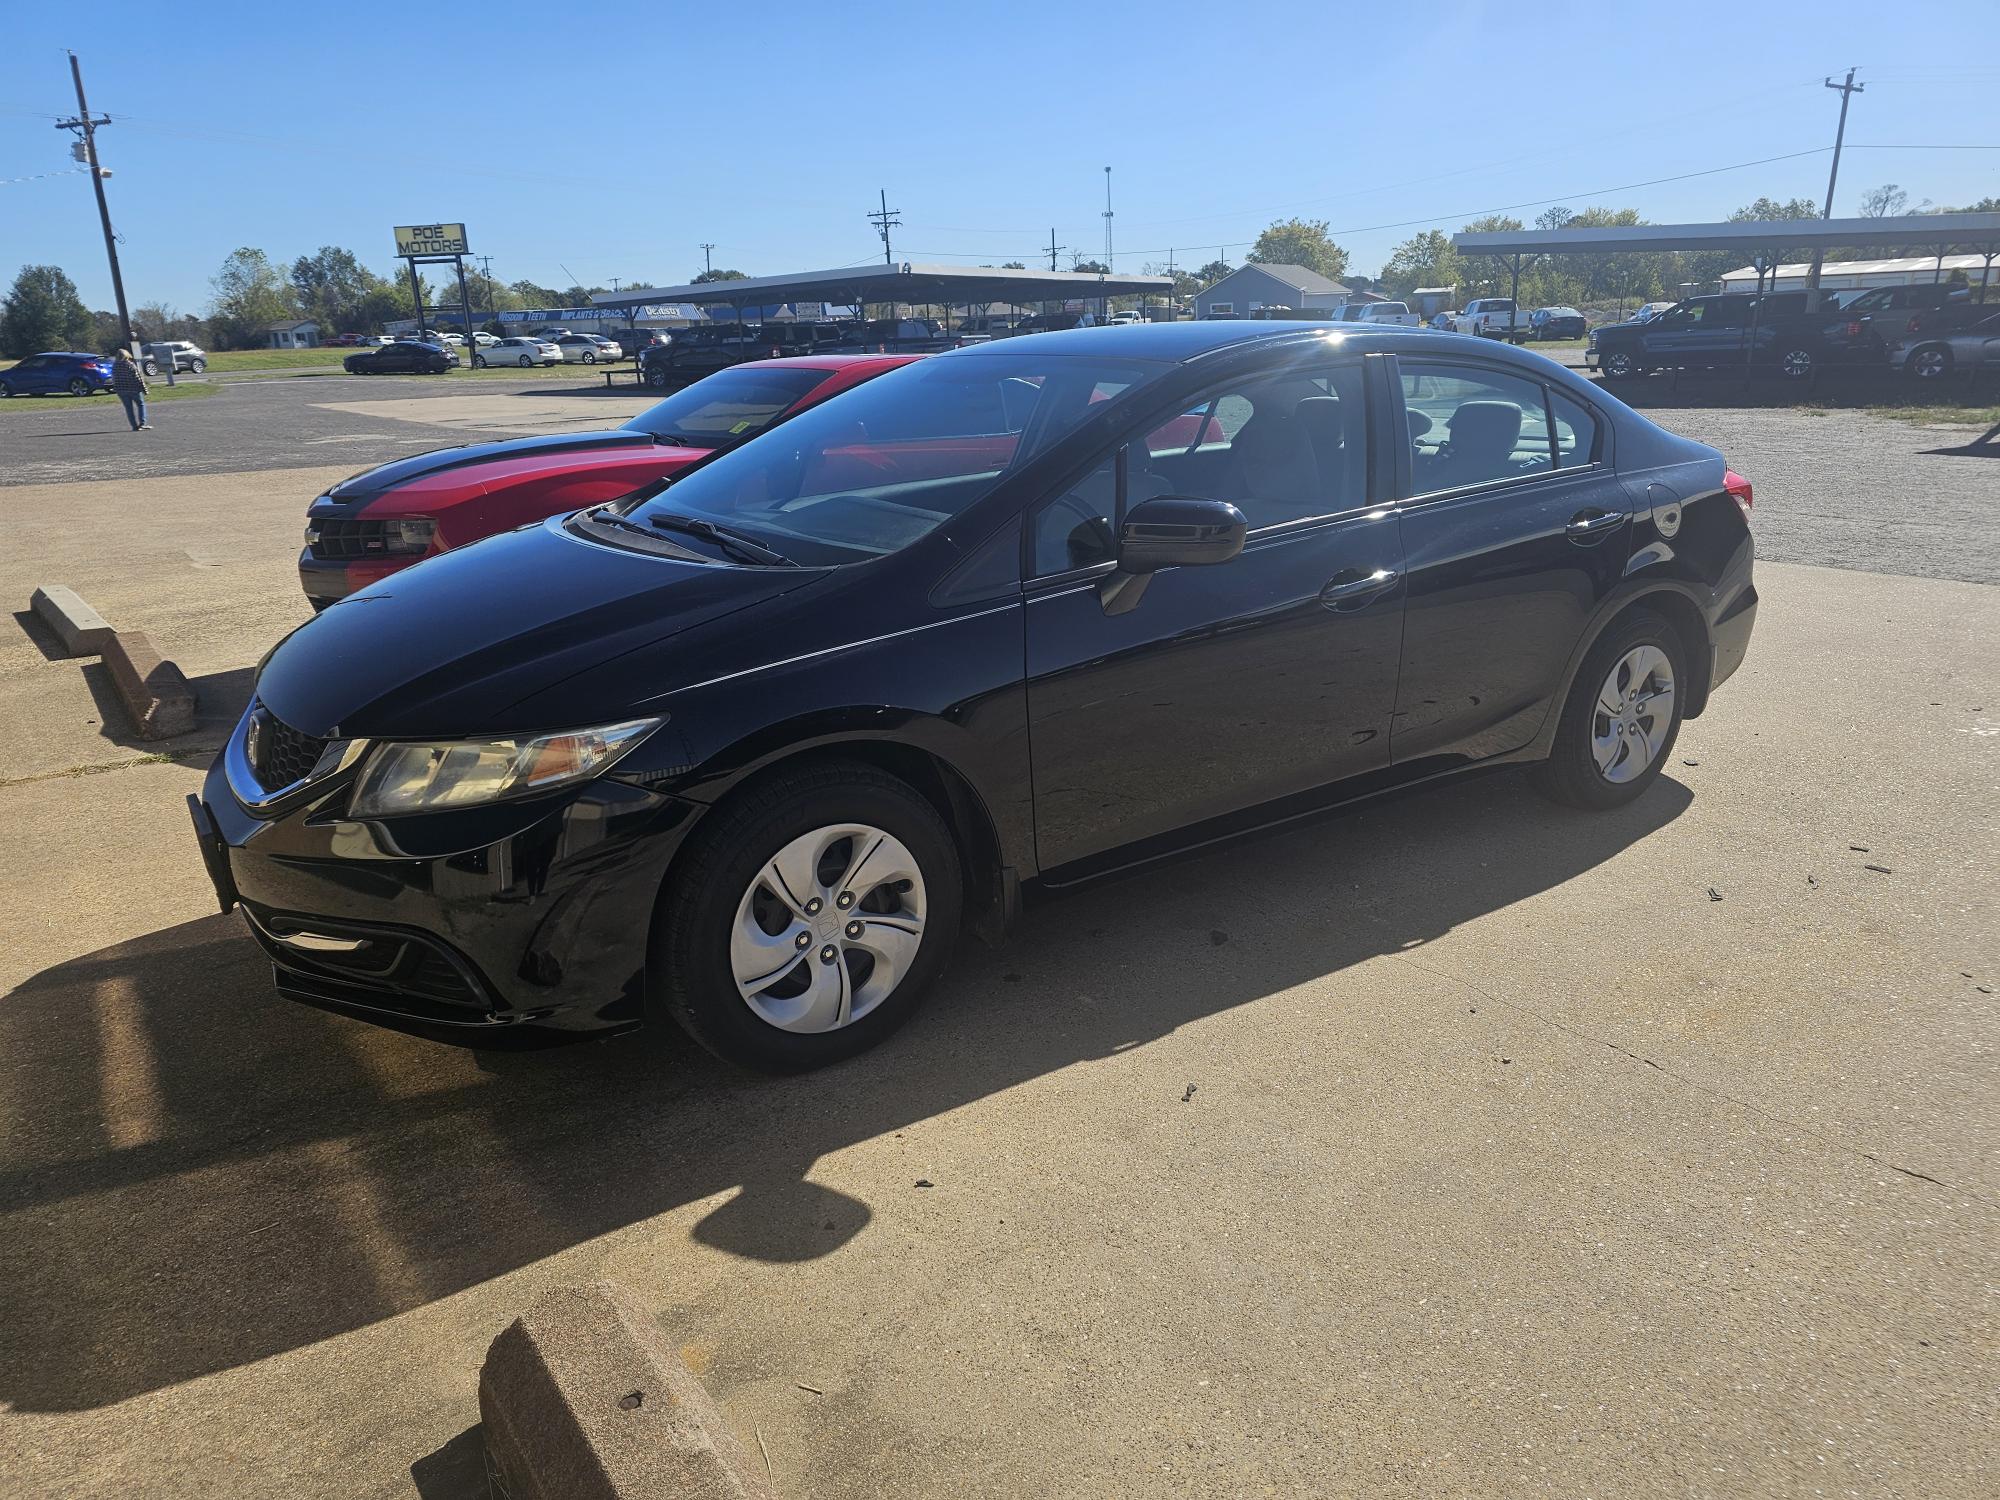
pixel 1464 1146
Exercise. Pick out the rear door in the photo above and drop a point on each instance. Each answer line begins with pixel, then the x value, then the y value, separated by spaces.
pixel 1225 686
pixel 1514 526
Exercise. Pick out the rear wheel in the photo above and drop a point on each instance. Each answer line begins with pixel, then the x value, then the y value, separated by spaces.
pixel 808 918
pixel 1932 362
pixel 150 367
pixel 1621 718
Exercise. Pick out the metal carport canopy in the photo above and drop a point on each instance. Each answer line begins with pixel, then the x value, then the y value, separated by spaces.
pixel 904 282
pixel 1978 231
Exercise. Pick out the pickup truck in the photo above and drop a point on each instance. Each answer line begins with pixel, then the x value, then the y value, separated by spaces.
pixel 1380 315
pixel 1493 318
pixel 1774 331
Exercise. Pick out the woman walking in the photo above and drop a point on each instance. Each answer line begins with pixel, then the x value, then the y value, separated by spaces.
pixel 131 388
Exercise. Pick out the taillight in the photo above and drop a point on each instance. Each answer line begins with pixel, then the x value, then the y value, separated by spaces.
pixel 1915 325
pixel 1739 490
pixel 1854 330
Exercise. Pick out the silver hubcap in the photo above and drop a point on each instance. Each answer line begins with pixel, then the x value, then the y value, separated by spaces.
pixel 1798 362
pixel 1618 364
pixel 828 928
pixel 1930 364
pixel 1635 708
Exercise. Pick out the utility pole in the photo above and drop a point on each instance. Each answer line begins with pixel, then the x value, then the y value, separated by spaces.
pixel 707 264
pixel 885 220
pixel 1846 91
pixel 1107 218
pixel 492 297
pixel 1054 249
pixel 86 126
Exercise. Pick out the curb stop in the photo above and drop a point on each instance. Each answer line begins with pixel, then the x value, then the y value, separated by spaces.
pixel 581 1399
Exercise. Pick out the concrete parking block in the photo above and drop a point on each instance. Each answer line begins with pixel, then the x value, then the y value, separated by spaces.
pixel 156 693
pixel 83 631
pixel 581 1399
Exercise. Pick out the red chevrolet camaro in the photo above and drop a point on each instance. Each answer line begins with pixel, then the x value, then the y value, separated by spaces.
pixel 389 517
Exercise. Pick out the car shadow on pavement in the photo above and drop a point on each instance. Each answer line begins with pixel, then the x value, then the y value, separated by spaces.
pixel 198 1174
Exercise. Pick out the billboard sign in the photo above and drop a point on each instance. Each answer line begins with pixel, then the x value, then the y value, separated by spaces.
pixel 431 239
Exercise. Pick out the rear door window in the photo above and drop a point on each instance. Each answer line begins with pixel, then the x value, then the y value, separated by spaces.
pixel 1472 426
pixel 1575 431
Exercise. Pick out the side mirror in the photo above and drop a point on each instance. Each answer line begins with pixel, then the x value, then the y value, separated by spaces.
pixel 1171 531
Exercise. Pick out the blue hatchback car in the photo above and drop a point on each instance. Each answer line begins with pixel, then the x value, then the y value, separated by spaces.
pixel 78 374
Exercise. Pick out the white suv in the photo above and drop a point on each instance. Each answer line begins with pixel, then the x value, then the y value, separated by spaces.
pixel 178 352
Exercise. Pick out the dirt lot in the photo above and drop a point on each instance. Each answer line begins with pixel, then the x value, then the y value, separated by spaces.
pixel 1457 1147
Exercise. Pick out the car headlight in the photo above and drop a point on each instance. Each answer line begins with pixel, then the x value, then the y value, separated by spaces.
pixel 401 778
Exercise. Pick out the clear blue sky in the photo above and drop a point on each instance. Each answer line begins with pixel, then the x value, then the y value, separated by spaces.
pixel 289 127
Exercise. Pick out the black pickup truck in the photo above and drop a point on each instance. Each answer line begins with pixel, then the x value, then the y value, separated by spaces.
pixel 1715 333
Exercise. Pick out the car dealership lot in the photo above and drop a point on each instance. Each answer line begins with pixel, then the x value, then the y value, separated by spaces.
pixel 1460 1146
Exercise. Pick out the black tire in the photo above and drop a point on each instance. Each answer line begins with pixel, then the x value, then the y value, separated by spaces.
pixel 478 361
pixel 150 367
pixel 525 361
pixel 688 973
pixel 1931 362
pixel 196 366
pixel 590 359
pixel 1796 363
pixel 657 379
pixel 1570 774
pixel 1619 365
pixel 79 387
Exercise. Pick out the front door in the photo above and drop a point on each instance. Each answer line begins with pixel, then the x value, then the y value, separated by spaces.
pixel 1230 685
pixel 1514 528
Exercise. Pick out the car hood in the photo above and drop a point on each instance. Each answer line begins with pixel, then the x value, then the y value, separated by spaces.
pixel 372 482
pixel 449 648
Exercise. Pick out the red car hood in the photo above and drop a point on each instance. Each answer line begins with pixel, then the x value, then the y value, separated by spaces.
pixel 586 468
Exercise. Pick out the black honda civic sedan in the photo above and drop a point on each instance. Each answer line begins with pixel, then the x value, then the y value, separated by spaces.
pixel 750 748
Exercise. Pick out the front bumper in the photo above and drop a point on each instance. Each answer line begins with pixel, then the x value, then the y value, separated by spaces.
pixel 510 924
pixel 328 581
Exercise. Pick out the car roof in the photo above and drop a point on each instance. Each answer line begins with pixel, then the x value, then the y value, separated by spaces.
pixel 1178 342
pixel 832 362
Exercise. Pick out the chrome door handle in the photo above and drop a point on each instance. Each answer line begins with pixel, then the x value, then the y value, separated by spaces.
pixel 1336 594
pixel 1590 523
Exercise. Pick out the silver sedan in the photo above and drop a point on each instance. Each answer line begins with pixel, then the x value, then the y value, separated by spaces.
pixel 1929 357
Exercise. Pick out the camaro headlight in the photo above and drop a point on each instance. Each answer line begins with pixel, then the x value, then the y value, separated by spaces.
pixel 403 778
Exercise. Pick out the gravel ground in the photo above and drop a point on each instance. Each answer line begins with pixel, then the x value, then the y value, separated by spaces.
pixel 1837 488
pixel 1847 489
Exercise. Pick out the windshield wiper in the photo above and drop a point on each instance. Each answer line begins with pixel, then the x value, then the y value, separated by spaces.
pixel 732 543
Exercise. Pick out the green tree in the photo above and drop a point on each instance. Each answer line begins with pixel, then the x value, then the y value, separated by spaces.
pixel 1771 208
pixel 42 311
pixel 1484 271
pixel 329 286
pixel 1012 265
pixel 1213 272
pixel 1425 259
pixel 1301 242
pixel 718 274
pixel 1983 206
pixel 156 322
pixel 532 294
pixel 249 295
pixel 1082 267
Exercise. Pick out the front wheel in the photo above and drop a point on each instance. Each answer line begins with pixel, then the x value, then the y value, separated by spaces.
pixel 196 366
pixel 478 361
pixel 1932 362
pixel 1618 366
pixel 150 367
pixel 526 362
pixel 657 379
pixel 79 387
pixel 1621 718
pixel 1796 364
pixel 590 359
pixel 807 919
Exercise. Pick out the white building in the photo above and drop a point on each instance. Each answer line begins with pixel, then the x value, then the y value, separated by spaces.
pixel 1850 275
pixel 299 335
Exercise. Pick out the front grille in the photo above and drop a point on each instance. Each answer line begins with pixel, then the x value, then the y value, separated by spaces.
pixel 342 540
pixel 280 754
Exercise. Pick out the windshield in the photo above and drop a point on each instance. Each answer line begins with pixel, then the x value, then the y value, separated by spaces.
pixel 878 467
pixel 728 408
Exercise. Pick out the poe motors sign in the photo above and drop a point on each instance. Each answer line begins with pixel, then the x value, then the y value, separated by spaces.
pixel 430 239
